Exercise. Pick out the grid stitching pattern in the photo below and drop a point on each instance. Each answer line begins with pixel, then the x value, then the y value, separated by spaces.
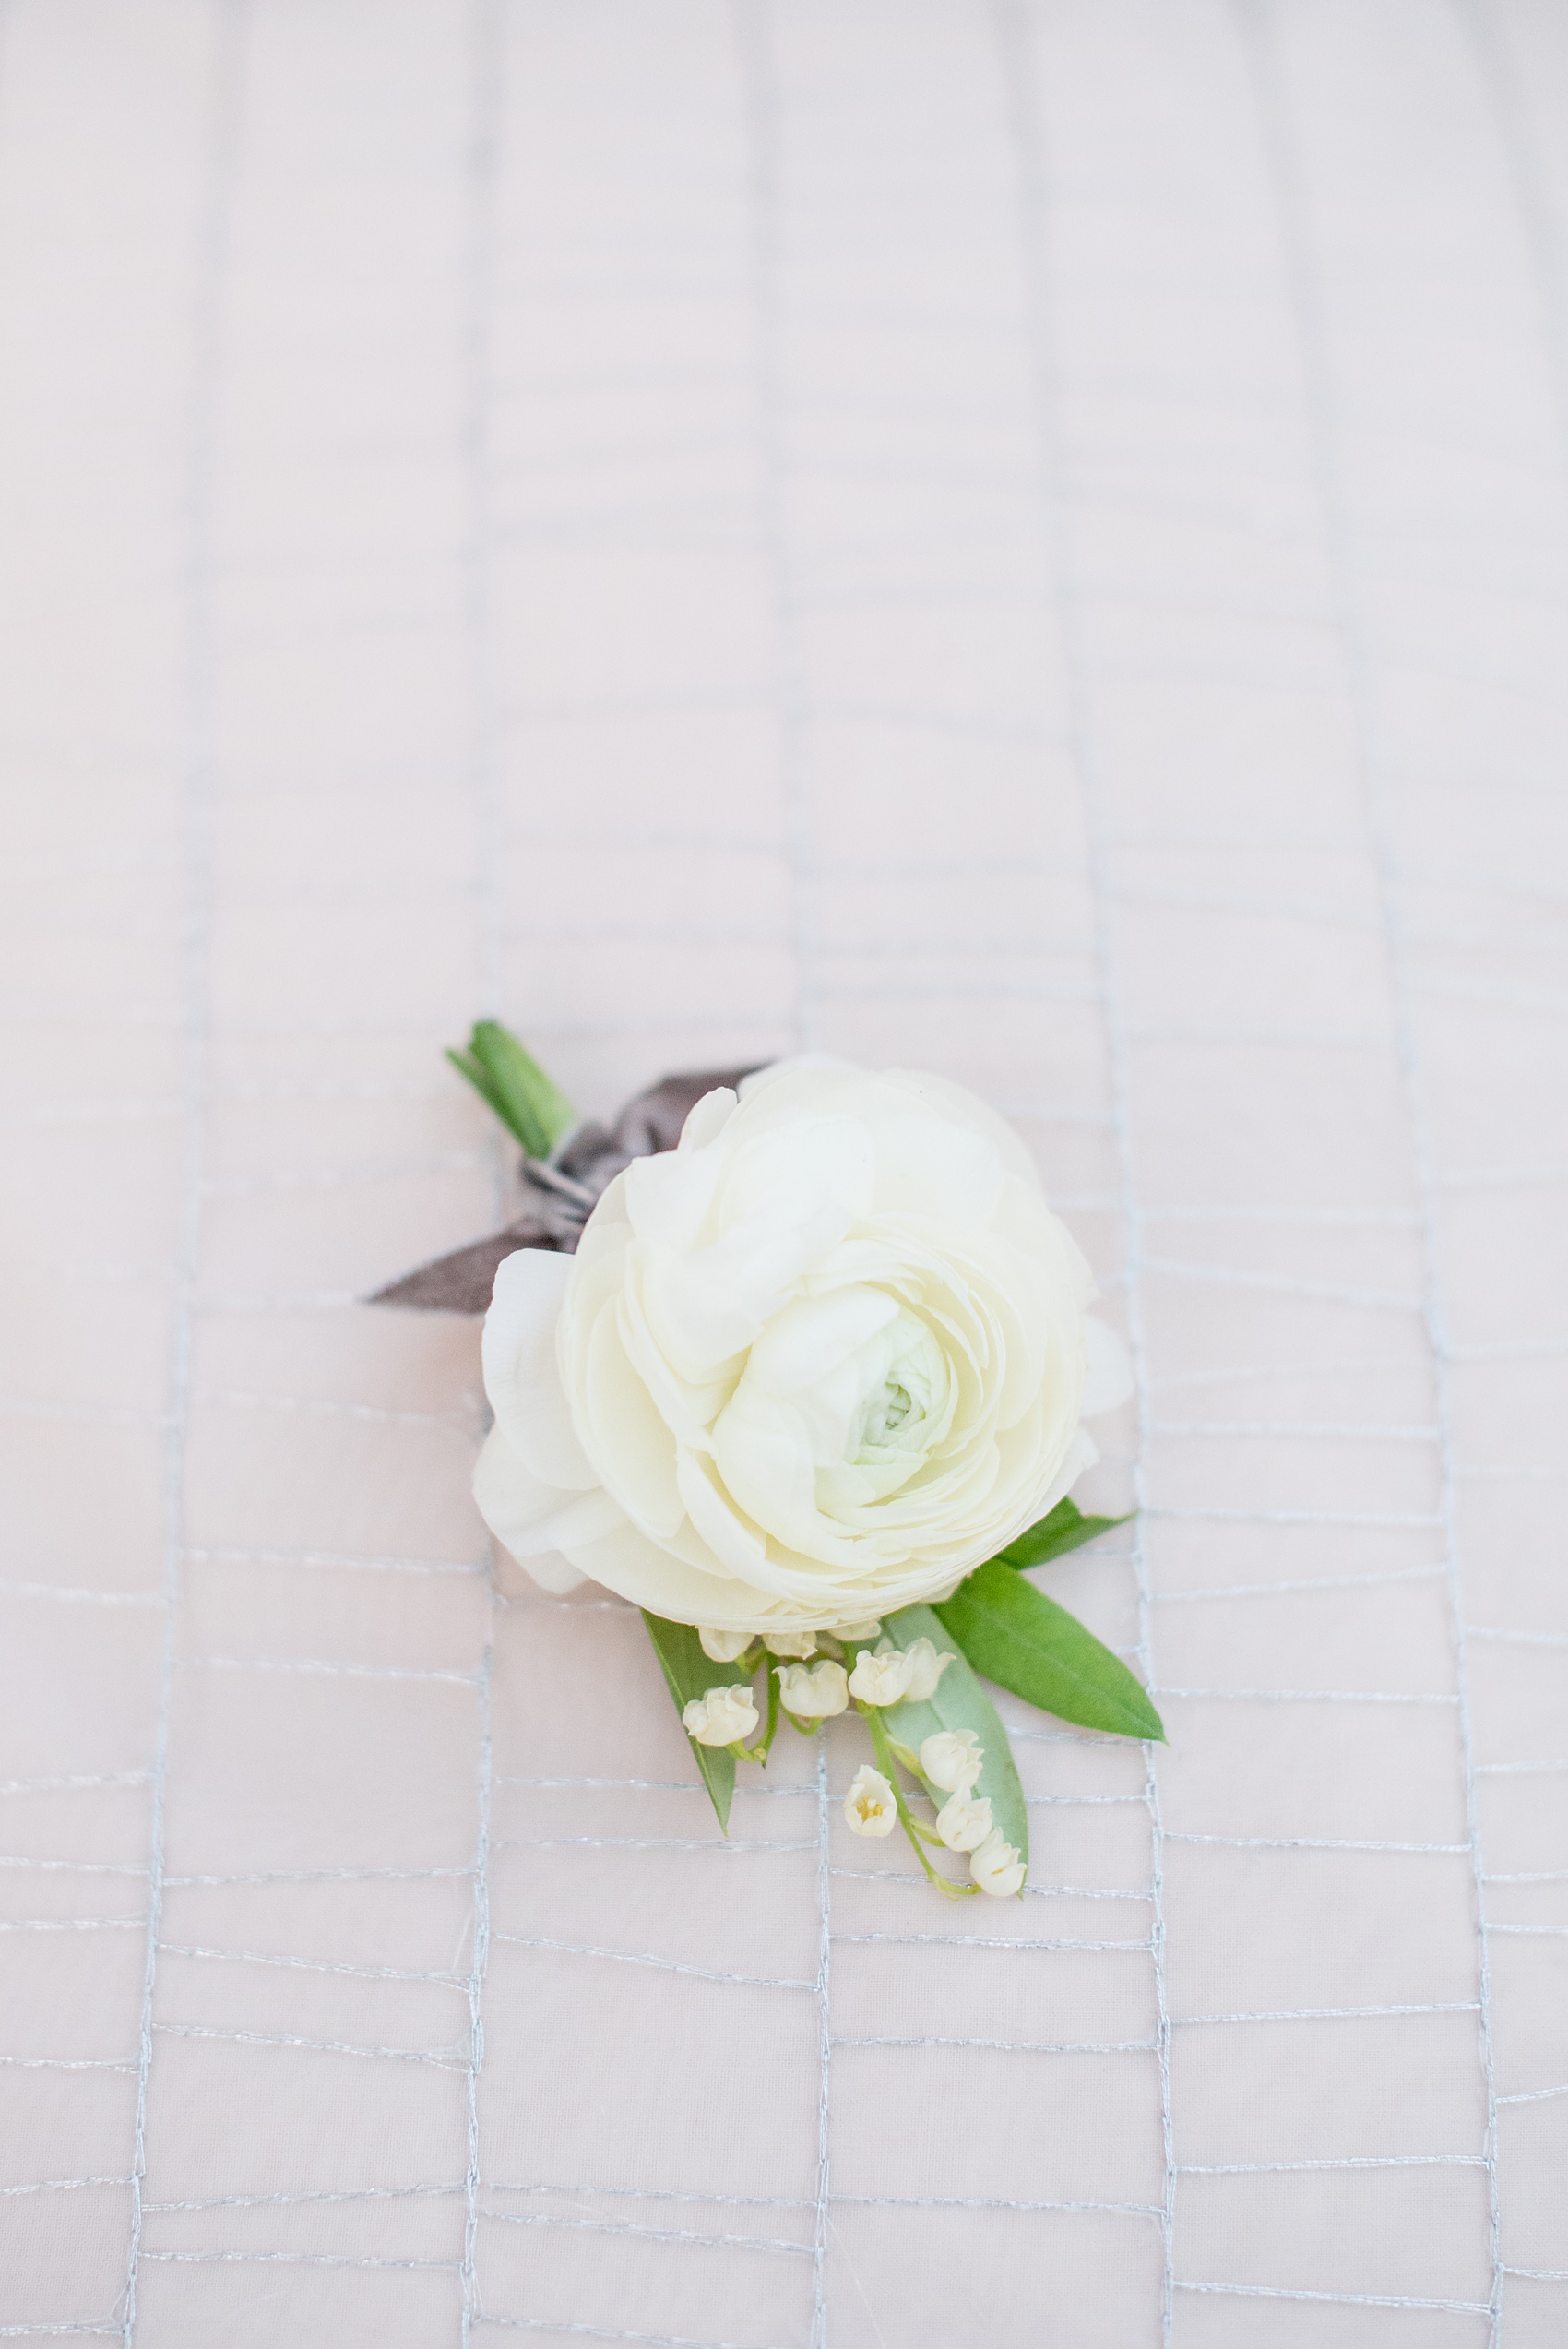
pixel 197 782
pixel 1370 759
pixel 1018 67
pixel 694 577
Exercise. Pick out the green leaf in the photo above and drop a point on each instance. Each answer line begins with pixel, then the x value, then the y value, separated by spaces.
pixel 1025 1643
pixel 477 1077
pixel 959 1703
pixel 1065 1529
pixel 515 1087
pixel 690 1673
pixel 531 1096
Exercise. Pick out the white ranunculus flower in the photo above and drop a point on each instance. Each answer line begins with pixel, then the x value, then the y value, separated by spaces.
pixel 812 1366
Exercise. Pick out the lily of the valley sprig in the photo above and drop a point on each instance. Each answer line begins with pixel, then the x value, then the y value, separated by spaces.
pixel 943 1769
pixel 799 1361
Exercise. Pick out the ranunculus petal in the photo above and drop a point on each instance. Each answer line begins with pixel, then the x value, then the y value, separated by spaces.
pixel 669 1196
pixel 696 1318
pixel 516 1507
pixel 707 1118
pixel 627 1432
pixel 715 1518
pixel 966 1109
pixel 810 1337
pixel 627 1562
pixel 927 1166
pixel 762 1454
pixel 521 1377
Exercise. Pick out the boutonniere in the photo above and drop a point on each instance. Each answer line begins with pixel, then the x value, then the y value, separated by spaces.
pixel 797 1360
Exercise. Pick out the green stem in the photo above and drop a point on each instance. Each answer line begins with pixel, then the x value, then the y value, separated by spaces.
pixel 913 1827
pixel 759 1752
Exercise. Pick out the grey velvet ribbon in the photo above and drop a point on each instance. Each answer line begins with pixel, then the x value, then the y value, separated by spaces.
pixel 563 1192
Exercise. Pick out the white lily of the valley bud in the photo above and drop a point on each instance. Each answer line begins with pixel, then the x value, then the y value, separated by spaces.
pixel 926 1668
pixel 880 1679
pixel 869 1807
pixel 996 1868
pixel 812 1692
pixel 723 1647
pixel 952 1760
pixel 790 1643
pixel 963 1823
pixel 866 1630
pixel 722 1716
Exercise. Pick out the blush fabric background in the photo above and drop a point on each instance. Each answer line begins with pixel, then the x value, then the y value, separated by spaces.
pixel 1029 540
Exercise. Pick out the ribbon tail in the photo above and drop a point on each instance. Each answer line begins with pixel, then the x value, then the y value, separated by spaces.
pixel 462 1282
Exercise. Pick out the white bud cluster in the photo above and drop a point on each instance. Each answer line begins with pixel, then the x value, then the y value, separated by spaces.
pixel 952 1762
pixel 815 1687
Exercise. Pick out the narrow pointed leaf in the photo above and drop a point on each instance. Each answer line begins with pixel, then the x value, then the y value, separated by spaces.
pixel 1025 1643
pixel 478 1077
pixel 532 1105
pixel 1065 1529
pixel 689 1674
pixel 959 1703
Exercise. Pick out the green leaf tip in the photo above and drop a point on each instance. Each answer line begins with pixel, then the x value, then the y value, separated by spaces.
pixel 1023 1642
pixel 689 1674
pixel 514 1085
pixel 1065 1529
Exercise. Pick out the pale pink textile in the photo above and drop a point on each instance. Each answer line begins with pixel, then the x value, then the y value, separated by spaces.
pixel 1032 539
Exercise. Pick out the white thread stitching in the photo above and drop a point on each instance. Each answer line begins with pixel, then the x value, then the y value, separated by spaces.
pixel 200 754
pixel 1256 40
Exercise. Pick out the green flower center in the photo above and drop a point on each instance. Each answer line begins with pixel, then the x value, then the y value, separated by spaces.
pixel 890 1409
